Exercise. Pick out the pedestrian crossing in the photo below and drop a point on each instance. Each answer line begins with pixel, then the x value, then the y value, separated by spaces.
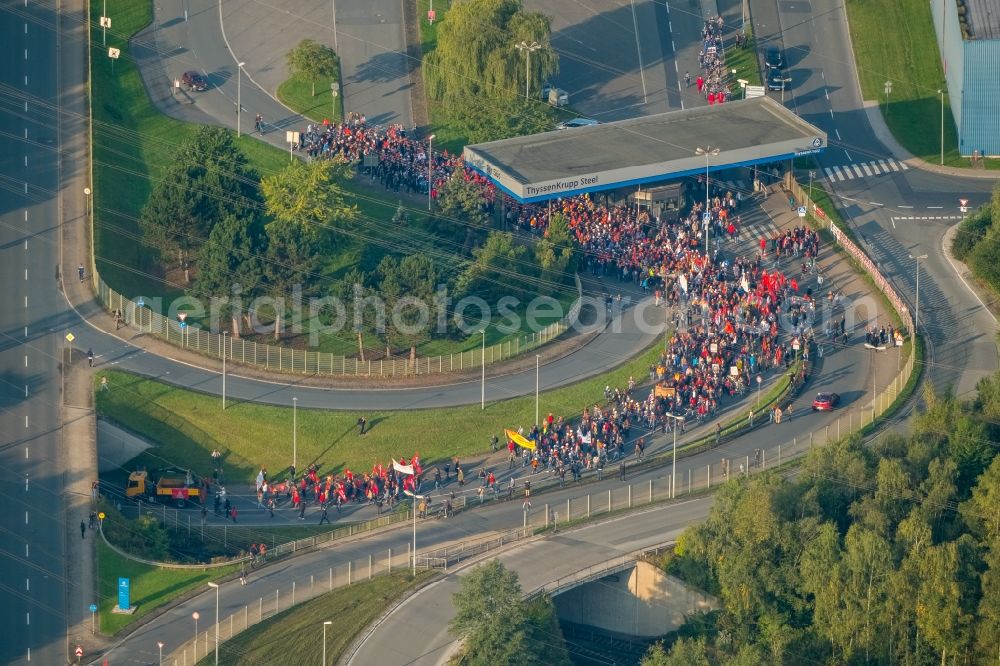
pixel 863 169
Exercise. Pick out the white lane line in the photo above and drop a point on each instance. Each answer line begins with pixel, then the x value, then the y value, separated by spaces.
pixel 670 25
pixel 26 360
pixel 25 160
pixel 27 584
pixel 827 93
pixel 25 331
pixel 25 54
pixel 26 457
pixel 25 517
pixel 638 52
pixel 25 550
pixel 27 616
pixel 25 300
pixel 837 132
pixel 25 274
pixel 25 79
pixel 831 114
pixel 25 243
pixel 822 74
pixel 849 158
pixel 902 206
pixel 25 187
pixel 25 420
pixel 26 28
pixel 936 207
pixel 893 220
pixel 25 132
pixel 25 395
pixel 875 203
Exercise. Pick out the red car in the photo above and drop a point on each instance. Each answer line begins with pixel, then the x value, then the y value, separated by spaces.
pixel 825 401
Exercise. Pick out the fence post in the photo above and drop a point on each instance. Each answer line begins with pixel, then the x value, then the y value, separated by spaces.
pixel 293 594
pixel 689 481
pixel 810 441
pixel 312 585
pixel 708 477
pixel 369 567
pixel 763 458
pixel 651 491
pixel 246 618
pixel 348 574
pixel 260 610
pixel 779 449
pixel 609 500
pixel 630 495
pixel 546 516
pixel 276 602
pixel 390 561
pixel 569 512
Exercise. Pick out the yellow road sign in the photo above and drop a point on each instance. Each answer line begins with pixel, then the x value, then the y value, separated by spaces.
pixel 70 337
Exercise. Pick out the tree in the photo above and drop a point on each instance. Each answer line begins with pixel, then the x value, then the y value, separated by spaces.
pixel 685 652
pixel 220 175
pixel 489 616
pixel 476 54
pixel 980 510
pixel 170 222
pixel 554 252
pixel 310 194
pixel 479 119
pixel 291 259
pixel 461 200
pixel 408 288
pixel 497 270
pixel 313 61
pixel 231 263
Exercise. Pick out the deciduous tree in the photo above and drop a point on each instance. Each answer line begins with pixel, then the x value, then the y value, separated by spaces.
pixel 313 61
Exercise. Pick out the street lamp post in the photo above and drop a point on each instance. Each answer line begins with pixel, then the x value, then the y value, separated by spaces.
pixel 941 93
pixel 916 314
pixel 708 152
pixel 538 359
pixel 325 625
pixel 430 168
pixel 678 420
pixel 759 380
pixel 482 362
pixel 528 49
pixel 295 433
pixel 159 644
pixel 196 615
pixel 216 586
pixel 225 353
pixel 416 498
pixel 239 95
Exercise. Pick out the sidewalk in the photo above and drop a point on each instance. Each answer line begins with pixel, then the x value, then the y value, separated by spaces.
pixel 884 134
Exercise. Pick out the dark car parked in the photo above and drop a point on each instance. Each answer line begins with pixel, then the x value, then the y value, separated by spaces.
pixel 777 79
pixel 774 57
pixel 194 81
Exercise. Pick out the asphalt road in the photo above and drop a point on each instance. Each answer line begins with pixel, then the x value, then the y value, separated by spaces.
pixel 898 214
pixel 32 561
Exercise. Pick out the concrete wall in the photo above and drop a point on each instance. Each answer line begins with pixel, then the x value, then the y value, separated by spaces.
pixel 642 601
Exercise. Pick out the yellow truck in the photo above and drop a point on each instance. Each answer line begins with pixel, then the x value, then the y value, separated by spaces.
pixel 177 486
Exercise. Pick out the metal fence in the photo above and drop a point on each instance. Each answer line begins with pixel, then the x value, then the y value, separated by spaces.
pixel 302 361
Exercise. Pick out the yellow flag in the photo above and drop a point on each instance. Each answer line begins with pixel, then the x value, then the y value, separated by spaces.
pixel 523 442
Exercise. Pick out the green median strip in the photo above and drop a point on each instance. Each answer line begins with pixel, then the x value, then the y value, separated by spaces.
pixel 295 636
pixel 188 425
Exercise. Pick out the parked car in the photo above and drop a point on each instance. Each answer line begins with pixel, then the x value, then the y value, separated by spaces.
pixel 577 122
pixel 825 401
pixel 774 57
pixel 777 79
pixel 194 81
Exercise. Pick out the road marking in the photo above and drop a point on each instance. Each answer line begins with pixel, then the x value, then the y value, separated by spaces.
pixel 25 300
pixel 25 54
pixel 901 206
pixel 868 172
pixel 837 132
pixel 25 79
pixel 25 243
pixel 25 274
pixel 25 478
pixel 25 420
pixel 25 517
pixel 874 203
pixel 935 207
pixel 26 457
pixel 26 187
pixel 822 75
pixel 893 220
pixel 638 52
pixel 26 28
pixel 26 360
pixel 27 616
pixel 827 93
pixel 25 132
pixel 27 584
pixel 670 25
pixel 849 158
pixel 831 113
pixel 25 331
pixel 25 157
pixel 25 550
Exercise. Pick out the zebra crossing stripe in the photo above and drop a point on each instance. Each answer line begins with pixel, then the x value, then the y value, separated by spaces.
pixel 903 164
pixel 894 165
pixel 840 174
pixel 884 165
pixel 829 173
pixel 864 167
pixel 856 170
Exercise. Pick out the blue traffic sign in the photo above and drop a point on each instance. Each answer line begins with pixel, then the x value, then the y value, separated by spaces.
pixel 124 593
pixel 802 211
pixel 706 217
pixel 93 608
pixel 141 303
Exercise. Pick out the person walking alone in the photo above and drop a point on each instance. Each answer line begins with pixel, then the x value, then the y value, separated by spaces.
pixel 323 516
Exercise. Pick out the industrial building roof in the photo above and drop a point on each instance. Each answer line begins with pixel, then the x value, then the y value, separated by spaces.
pixel 642 150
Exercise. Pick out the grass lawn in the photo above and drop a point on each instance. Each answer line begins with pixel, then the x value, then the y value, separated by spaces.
pixel 189 425
pixel 744 61
pixel 151 586
pixel 296 93
pixel 294 636
pixel 445 136
pixel 908 55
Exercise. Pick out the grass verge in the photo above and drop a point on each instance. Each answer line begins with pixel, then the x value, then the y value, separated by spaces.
pixel 152 586
pixel 188 425
pixel 908 56
pixel 744 60
pixel 296 92
pixel 293 636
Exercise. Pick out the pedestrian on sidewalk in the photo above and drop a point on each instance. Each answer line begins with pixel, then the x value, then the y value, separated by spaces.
pixel 302 511
pixel 81 272
pixel 323 516
pixel 243 575
pixel 621 471
pixel 104 384
pixel 83 530
pixel 233 513
pixel 90 357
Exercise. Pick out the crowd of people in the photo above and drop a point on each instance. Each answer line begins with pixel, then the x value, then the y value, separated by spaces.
pixel 713 80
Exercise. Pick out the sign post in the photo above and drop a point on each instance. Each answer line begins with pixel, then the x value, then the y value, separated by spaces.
pixel 79 653
pixel 93 619
pixel 114 54
pixel 292 138
pixel 333 99
pixel 963 205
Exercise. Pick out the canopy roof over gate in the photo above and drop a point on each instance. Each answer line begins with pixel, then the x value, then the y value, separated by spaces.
pixel 644 150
